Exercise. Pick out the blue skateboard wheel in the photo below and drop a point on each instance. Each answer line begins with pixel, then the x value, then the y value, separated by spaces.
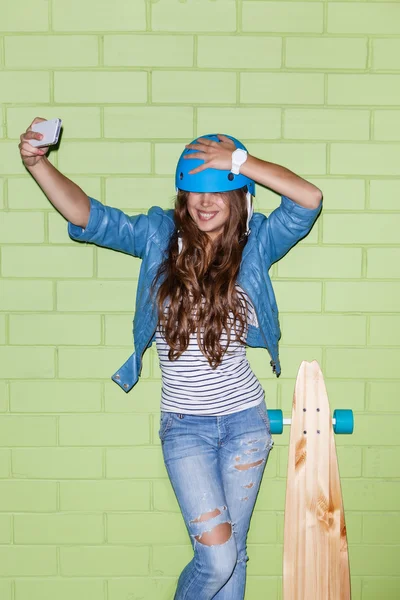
pixel 344 421
pixel 276 421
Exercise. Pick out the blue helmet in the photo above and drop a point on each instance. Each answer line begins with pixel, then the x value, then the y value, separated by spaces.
pixel 209 180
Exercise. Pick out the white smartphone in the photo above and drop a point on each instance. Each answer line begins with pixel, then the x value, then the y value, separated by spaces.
pixel 50 131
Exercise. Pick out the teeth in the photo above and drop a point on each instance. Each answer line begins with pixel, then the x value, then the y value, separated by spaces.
pixel 206 215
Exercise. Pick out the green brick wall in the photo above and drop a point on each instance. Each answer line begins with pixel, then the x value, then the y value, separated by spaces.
pixel 86 510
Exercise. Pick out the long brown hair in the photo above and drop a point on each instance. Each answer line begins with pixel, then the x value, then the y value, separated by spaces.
pixel 197 293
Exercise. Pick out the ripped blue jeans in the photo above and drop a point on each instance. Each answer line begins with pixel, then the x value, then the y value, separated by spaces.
pixel 215 465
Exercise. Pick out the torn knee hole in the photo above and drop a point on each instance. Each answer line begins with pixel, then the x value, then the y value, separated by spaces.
pixel 217 536
pixel 249 466
pixel 208 516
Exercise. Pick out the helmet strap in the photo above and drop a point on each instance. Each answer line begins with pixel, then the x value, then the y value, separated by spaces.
pixel 249 212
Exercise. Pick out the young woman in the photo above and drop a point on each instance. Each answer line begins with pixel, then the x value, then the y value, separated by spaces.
pixel 203 294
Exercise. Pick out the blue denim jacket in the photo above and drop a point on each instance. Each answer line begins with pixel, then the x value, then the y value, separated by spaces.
pixel 148 236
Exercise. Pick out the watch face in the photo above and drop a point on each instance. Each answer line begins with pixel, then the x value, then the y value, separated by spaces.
pixel 239 156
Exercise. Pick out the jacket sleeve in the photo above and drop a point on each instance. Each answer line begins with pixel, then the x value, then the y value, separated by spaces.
pixel 285 226
pixel 112 228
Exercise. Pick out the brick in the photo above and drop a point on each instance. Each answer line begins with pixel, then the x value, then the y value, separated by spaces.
pixel 117 402
pixel 384 331
pixel 96 296
pixel 321 263
pixel 104 561
pixel 55 329
pixel 17 15
pixel 5 461
pixel 385 54
pixel 118 16
pixel 363 89
pixel 346 393
pixel 265 559
pixel 326 53
pixel 27 431
pixel 350 461
pixel 383 396
pixel 117 265
pixel 381 560
pixel 3 396
pixel 58 529
pixel 62 589
pixel 5 530
pixel 365 159
pixel 55 396
pixel 242 123
pixel 389 586
pixel 148 122
pixel 238 52
pixel 28 496
pixel 10 159
pixel 263 528
pixel 82 363
pixel 104 430
pixel 21 228
pixel 256 586
pixel 282 16
pixel 2 184
pixel 193 16
pixel 118 330
pixel 298 296
pixel 384 194
pixel 135 463
pixel 26 194
pixel 369 18
pixel 370 495
pixel 387 125
pixel 382 462
pixel 170 560
pixel 362 297
pixel 105 157
pixel 119 589
pixel 2 329
pixel 281 88
pixel 58 229
pixel 13 86
pixel 6 589
pixel 305 124
pixel 324 330
pixel 200 87
pixel 51 51
pixel 98 496
pixel 148 50
pixel 26 363
pixel 47 261
pixel 92 87
pixel 299 157
pixel 25 562
pixel 163 496
pixel 140 193
pixel 78 122
pixel 166 157
pixel 58 463
pixel 361 229
pixel 361 363
pixel 146 528
pixel 26 295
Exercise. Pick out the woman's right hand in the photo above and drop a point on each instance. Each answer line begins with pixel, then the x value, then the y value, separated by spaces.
pixel 31 155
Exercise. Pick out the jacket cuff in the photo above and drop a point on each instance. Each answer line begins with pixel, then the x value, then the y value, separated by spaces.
pixel 96 214
pixel 302 214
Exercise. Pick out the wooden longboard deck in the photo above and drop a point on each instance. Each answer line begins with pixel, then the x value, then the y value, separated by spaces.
pixel 315 560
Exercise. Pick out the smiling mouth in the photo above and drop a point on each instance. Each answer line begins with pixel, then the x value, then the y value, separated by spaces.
pixel 206 216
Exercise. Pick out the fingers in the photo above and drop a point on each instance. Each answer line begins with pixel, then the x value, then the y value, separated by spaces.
pixel 29 151
pixel 201 168
pixel 36 120
pixel 31 135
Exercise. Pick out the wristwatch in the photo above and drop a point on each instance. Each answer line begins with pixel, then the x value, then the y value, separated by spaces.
pixel 239 157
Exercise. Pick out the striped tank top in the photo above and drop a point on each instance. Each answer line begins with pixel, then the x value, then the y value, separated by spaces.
pixel 191 386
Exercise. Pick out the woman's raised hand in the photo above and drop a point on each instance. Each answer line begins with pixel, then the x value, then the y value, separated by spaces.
pixel 216 155
pixel 30 154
